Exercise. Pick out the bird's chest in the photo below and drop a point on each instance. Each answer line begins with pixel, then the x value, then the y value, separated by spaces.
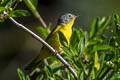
pixel 67 33
pixel 54 40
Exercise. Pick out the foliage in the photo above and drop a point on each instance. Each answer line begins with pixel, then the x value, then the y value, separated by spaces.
pixel 9 6
pixel 22 76
pixel 94 55
pixel 42 31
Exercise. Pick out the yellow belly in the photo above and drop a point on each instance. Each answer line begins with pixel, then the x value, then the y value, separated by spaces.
pixel 55 43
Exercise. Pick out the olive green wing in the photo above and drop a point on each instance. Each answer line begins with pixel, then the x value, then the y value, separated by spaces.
pixel 53 31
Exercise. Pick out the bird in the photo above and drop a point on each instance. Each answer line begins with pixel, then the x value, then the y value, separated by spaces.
pixel 64 25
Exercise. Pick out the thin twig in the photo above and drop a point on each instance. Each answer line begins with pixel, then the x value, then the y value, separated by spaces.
pixel 44 43
pixel 36 14
pixel 16 4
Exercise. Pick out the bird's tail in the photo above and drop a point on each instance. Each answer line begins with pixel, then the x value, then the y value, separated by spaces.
pixel 29 69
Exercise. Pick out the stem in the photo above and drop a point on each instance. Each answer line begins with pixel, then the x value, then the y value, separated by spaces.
pixel 36 13
pixel 44 43
pixel 16 4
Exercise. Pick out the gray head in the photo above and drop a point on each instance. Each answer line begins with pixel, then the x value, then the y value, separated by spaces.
pixel 64 19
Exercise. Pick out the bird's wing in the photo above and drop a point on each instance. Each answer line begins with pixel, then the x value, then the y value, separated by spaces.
pixel 53 31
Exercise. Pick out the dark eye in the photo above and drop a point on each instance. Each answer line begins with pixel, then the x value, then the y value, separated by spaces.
pixel 70 15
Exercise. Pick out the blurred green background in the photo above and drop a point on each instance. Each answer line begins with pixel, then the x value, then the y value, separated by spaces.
pixel 17 47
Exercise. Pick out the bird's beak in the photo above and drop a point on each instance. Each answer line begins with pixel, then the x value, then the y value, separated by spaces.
pixel 77 16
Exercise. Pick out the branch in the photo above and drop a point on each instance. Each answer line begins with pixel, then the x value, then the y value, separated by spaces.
pixel 44 43
pixel 36 13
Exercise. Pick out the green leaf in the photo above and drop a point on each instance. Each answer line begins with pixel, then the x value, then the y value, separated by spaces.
pixel 75 36
pixel 20 74
pixel 81 76
pixel 86 37
pixel 116 18
pixel 2 9
pixel 102 72
pixel 57 67
pixel 62 39
pixel 104 21
pixel 73 41
pixel 58 77
pixel 109 75
pixel 102 48
pixel 101 61
pixel 81 66
pixel 18 13
pixel 8 3
pixel 67 51
pixel 27 78
pixel 118 30
pixel 93 73
pixel 43 31
pixel 40 77
pixel 94 28
pixel 70 76
pixel 81 46
pixel 117 25
pixel 103 24
pixel 76 40
pixel 4 2
pixel 116 76
pixel 96 61
pixel 48 71
pixel 94 42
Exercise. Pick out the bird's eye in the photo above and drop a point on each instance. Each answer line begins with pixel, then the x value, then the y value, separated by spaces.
pixel 70 15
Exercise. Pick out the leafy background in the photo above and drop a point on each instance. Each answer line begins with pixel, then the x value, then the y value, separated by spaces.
pixel 17 47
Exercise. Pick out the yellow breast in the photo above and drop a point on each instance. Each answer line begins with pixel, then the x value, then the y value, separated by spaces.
pixel 66 29
pixel 53 40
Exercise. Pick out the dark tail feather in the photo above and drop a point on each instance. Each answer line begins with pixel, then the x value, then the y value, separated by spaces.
pixel 29 69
